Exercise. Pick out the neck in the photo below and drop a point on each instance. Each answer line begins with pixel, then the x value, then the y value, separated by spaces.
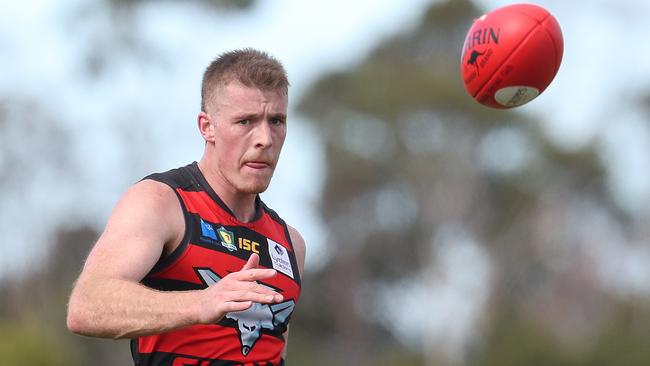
pixel 241 204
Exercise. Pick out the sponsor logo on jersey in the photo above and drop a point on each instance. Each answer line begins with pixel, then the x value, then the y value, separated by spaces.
pixel 249 245
pixel 227 239
pixel 207 231
pixel 280 258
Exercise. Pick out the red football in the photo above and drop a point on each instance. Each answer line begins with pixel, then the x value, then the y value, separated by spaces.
pixel 511 55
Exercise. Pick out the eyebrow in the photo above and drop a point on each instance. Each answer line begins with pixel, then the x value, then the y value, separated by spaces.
pixel 281 116
pixel 254 116
pixel 245 116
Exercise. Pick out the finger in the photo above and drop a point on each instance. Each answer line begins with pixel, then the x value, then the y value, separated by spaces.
pixel 253 262
pixel 253 287
pixel 235 285
pixel 242 296
pixel 231 306
pixel 253 274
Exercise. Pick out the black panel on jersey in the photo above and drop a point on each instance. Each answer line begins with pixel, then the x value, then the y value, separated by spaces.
pixel 166 284
pixel 167 359
pixel 178 178
pixel 293 258
pixel 197 238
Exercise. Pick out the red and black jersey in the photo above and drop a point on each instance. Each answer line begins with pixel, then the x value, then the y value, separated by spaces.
pixel 215 244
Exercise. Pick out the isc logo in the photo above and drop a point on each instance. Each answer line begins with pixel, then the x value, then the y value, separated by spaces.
pixel 247 244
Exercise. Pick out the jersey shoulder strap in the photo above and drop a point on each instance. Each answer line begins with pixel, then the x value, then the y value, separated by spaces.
pixel 178 178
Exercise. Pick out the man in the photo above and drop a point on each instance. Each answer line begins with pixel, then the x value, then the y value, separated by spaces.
pixel 192 265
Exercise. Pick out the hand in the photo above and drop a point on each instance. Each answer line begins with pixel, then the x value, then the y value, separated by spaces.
pixel 237 291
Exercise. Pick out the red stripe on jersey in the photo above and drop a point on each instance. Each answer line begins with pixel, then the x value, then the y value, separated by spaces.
pixel 212 342
pixel 201 257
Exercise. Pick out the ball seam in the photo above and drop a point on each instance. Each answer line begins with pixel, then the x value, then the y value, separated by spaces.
pixel 523 41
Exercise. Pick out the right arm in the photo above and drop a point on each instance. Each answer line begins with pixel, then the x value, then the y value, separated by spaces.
pixel 108 299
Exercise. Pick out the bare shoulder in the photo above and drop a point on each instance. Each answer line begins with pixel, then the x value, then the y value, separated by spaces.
pixel 152 195
pixel 150 192
pixel 147 203
pixel 146 219
pixel 299 247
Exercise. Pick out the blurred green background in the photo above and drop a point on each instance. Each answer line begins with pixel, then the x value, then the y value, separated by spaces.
pixel 439 232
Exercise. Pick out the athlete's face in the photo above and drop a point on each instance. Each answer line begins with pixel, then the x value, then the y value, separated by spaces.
pixel 249 127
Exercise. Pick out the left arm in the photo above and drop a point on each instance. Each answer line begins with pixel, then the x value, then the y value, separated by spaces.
pixel 300 250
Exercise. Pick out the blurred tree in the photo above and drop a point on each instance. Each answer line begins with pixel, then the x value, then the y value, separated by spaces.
pixel 27 344
pixel 408 156
pixel 109 45
pixel 28 136
pixel 515 341
pixel 624 339
pixel 33 311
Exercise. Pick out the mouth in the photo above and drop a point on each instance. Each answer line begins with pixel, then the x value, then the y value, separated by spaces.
pixel 257 165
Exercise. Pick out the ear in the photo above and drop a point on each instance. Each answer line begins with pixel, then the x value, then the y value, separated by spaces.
pixel 206 127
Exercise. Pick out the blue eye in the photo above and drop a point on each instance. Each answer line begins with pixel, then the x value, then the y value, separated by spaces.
pixel 244 121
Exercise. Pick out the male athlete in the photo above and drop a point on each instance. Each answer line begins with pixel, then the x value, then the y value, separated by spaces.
pixel 192 265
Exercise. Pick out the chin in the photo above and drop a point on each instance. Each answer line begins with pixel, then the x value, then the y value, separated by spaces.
pixel 254 188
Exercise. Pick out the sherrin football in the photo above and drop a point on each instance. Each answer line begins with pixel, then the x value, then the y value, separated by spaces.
pixel 511 55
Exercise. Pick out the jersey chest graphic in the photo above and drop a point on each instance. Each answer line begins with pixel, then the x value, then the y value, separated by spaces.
pixel 251 322
pixel 215 250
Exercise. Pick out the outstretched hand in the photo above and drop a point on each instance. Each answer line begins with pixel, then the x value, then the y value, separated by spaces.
pixel 237 292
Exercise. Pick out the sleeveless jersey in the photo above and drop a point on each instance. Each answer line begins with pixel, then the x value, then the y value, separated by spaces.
pixel 216 244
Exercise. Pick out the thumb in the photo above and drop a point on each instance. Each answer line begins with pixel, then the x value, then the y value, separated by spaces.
pixel 253 262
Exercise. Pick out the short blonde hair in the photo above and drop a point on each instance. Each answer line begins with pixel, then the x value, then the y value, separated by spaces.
pixel 248 66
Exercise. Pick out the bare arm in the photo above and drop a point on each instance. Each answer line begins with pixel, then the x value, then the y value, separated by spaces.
pixel 108 300
pixel 300 249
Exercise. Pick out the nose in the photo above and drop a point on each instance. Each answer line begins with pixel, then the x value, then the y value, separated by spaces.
pixel 263 136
